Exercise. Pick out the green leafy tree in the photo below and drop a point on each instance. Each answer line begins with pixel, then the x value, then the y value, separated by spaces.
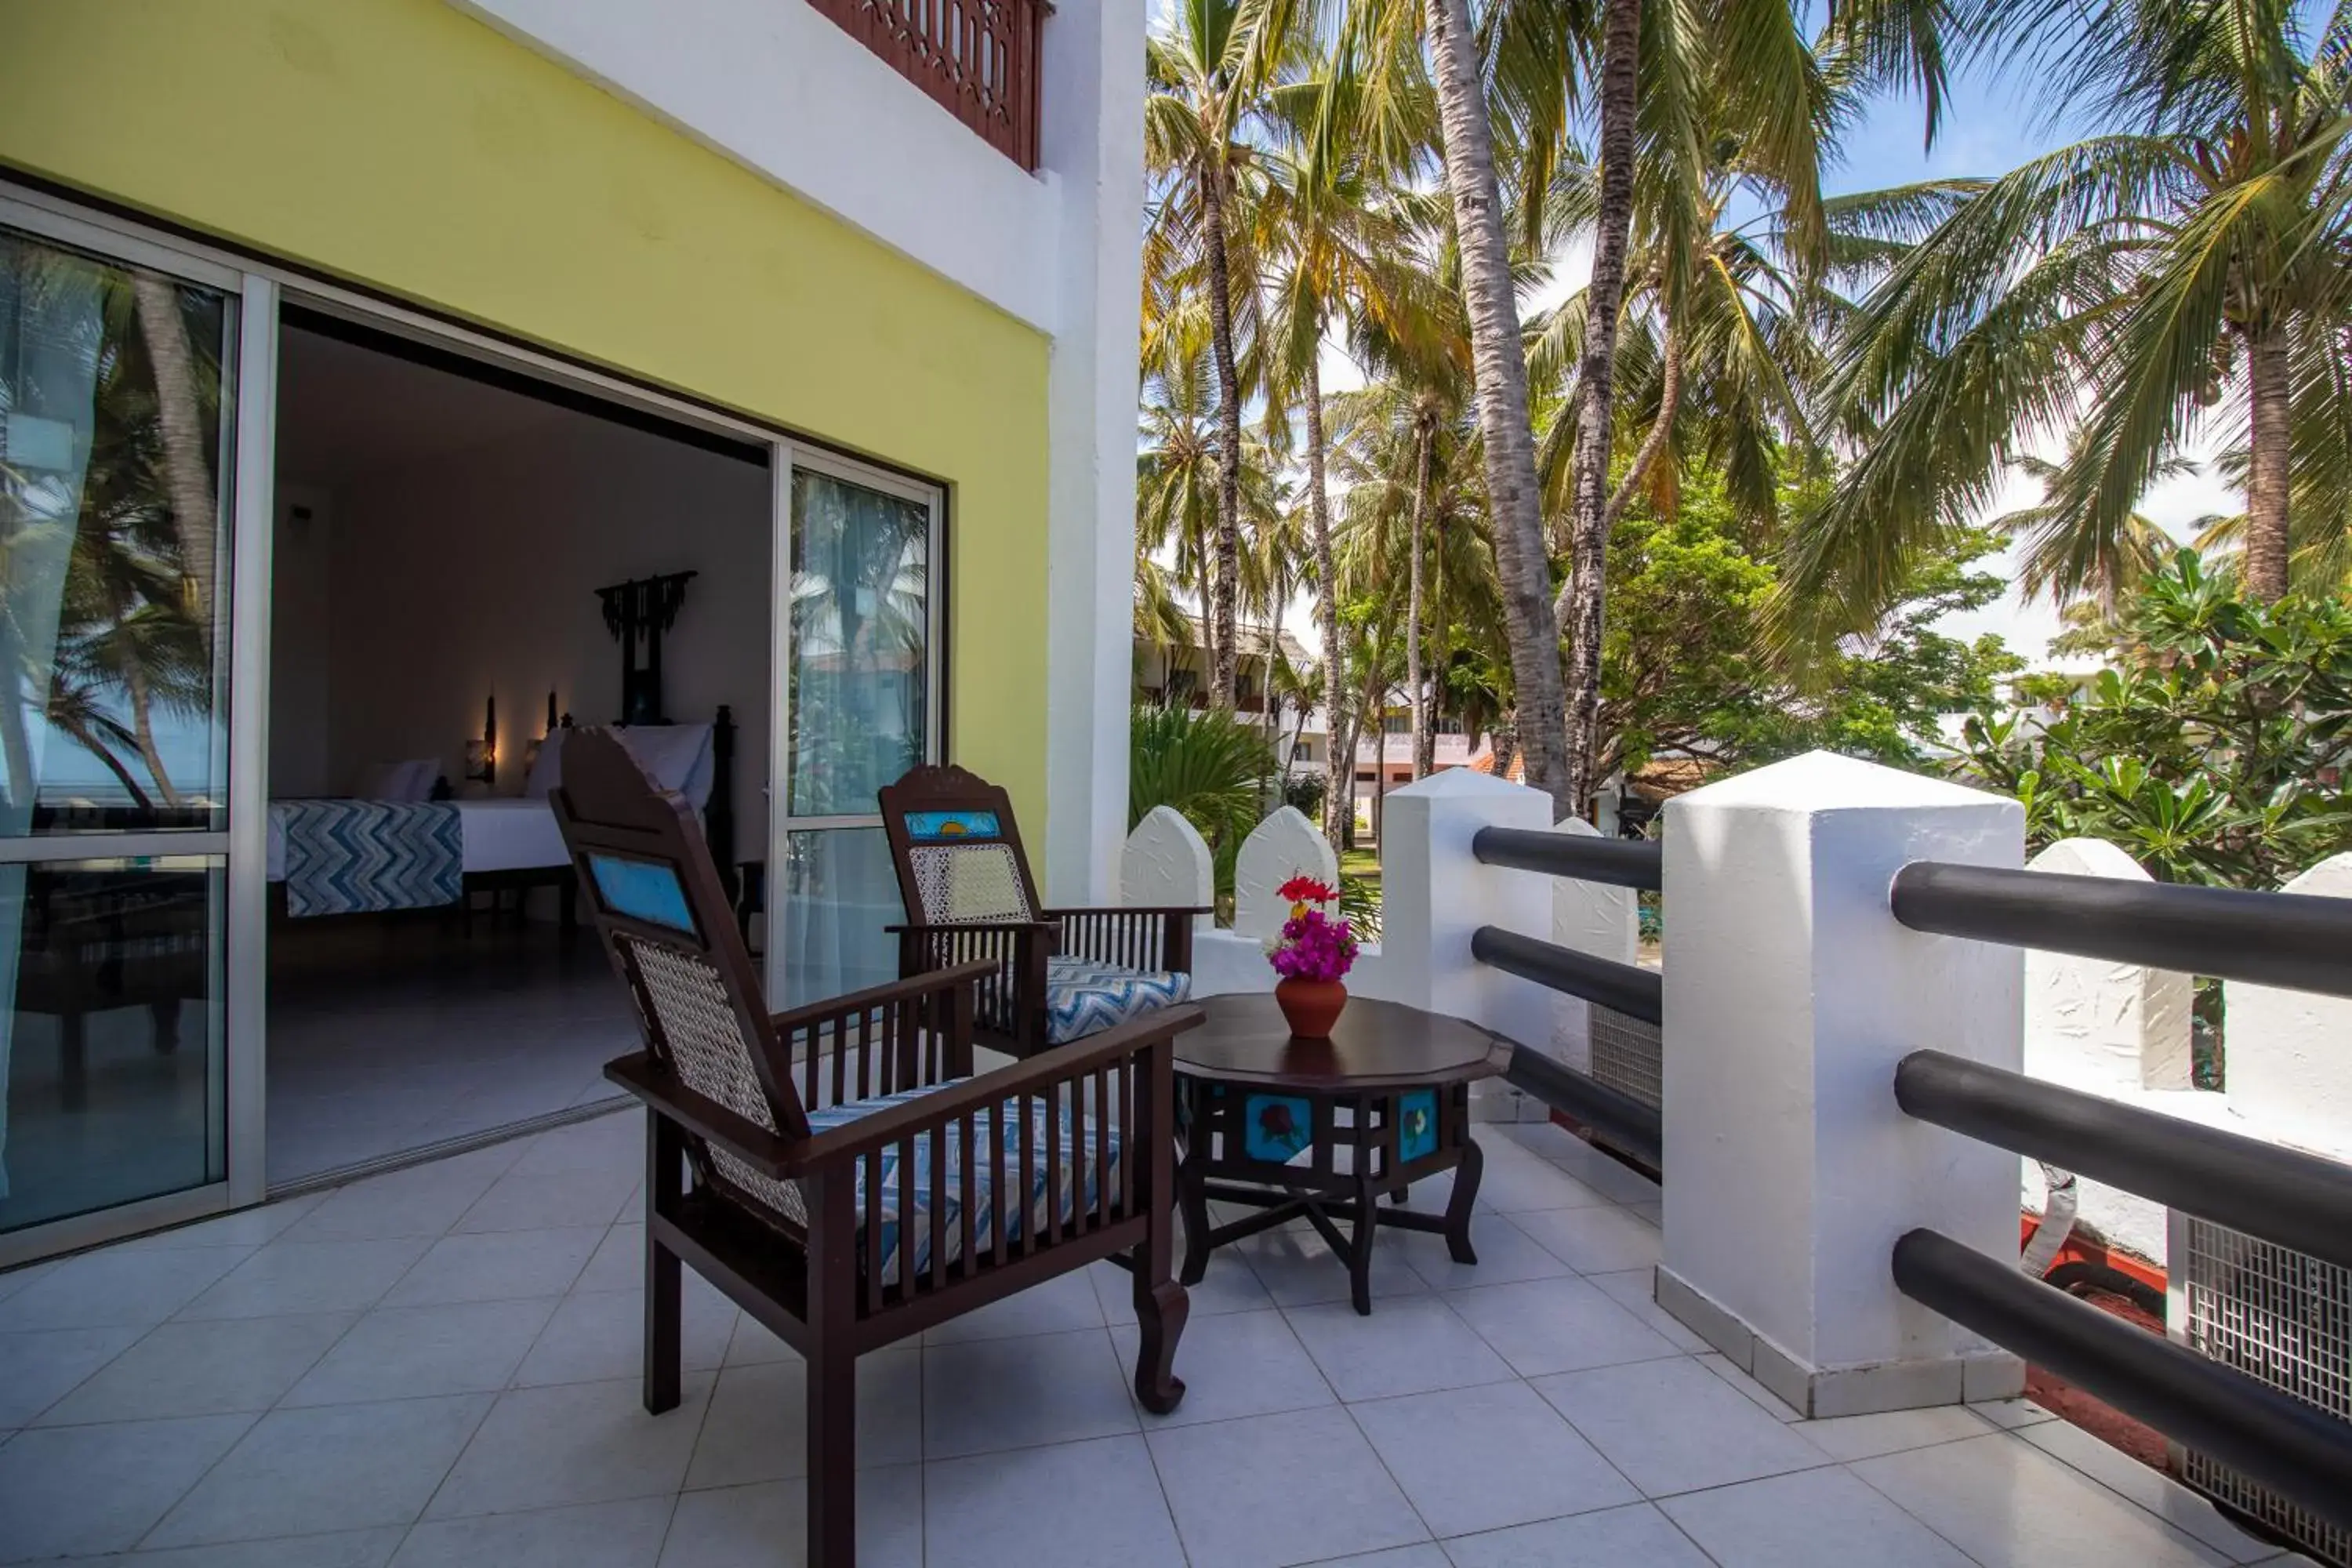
pixel 2214 753
pixel 1211 765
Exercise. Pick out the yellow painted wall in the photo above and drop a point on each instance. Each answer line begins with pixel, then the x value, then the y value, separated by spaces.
pixel 401 144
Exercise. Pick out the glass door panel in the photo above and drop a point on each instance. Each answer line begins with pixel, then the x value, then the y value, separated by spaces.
pixel 861 705
pixel 115 416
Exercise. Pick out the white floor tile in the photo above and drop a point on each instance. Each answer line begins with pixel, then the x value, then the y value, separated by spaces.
pixel 619 1262
pixel 580 1443
pixel 1602 1240
pixel 1891 1432
pixel 598 1535
pixel 339 1548
pixel 1423 1556
pixel 1763 1398
pixel 204 1369
pixel 289 1276
pixel 1505 1253
pixel 2010 1414
pixel 1635 1290
pixel 40 1368
pixel 2151 1490
pixel 1674 1427
pixel 1229 1286
pixel 767 1526
pixel 79 1491
pixel 1297 1268
pixel 2009 1505
pixel 247 1228
pixel 1610 1177
pixel 1635 1536
pixel 606 1143
pixel 1057 1305
pixel 752 1342
pixel 389 1207
pixel 757 1429
pixel 1073 1505
pixel 1277 1489
pixel 406 1352
pixel 1409 1345
pixel 304 1472
pixel 15 1280
pixel 1515 1181
pixel 1013 1393
pixel 1482 1458
pixel 1546 1139
pixel 1543 1326
pixel 599 1336
pixel 117 1289
pixel 516 1201
pixel 1816 1519
pixel 497 1267
pixel 1236 1363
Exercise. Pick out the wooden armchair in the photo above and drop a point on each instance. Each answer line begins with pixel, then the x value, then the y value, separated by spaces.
pixel 835 1170
pixel 1056 974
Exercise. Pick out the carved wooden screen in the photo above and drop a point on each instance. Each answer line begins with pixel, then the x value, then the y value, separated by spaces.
pixel 978 59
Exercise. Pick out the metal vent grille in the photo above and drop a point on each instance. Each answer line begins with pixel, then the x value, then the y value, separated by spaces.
pixel 2283 1317
pixel 1625 1054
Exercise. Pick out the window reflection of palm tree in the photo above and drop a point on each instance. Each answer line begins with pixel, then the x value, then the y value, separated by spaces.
pixel 860 610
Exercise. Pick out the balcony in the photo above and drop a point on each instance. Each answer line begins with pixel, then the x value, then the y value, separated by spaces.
pixel 976 58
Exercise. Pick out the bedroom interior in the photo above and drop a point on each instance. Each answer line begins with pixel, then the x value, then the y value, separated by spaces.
pixel 466 563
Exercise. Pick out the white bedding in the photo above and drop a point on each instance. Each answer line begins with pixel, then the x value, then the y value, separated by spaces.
pixel 504 833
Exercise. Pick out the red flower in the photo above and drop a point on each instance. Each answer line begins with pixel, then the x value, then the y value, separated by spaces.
pixel 1306 891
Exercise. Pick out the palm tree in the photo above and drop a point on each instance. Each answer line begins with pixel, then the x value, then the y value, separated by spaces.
pixel 1208 72
pixel 2109 292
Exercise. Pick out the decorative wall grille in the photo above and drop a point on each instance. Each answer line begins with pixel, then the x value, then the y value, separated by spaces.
pixel 2282 1316
pixel 977 59
pixel 1625 1054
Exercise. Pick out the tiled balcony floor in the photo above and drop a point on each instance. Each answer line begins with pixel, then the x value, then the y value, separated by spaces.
pixel 439 1367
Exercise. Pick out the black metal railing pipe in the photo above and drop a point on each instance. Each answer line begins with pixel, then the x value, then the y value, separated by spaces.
pixel 1637 992
pixel 2291 940
pixel 1621 862
pixel 2295 1449
pixel 1616 1116
pixel 2292 1199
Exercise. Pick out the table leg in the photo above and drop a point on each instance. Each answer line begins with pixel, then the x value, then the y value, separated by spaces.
pixel 1465 1193
pixel 1359 1255
pixel 1193 1199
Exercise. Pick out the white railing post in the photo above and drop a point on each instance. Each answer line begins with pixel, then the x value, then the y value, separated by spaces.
pixel 1166 865
pixel 2289 1052
pixel 1435 893
pixel 2098 1027
pixel 1791 994
pixel 1598 918
pixel 1284 845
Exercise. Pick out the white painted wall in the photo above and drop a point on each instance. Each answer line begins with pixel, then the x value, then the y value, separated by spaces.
pixel 778 89
pixel 474 575
pixel 2290 1053
pixel 1594 917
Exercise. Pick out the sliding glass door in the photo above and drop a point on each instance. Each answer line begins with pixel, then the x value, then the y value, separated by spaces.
pixel 857 634
pixel 117 429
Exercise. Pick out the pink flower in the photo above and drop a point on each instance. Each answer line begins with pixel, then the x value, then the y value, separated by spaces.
pixel 1312 947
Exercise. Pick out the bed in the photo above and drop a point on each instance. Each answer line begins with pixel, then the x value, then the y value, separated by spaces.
pixel 371 855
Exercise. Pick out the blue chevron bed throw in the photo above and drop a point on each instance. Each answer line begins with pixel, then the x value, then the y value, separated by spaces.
pixel 361 857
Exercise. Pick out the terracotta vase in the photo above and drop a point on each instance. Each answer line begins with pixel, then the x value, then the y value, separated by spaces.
pixel 1312 1007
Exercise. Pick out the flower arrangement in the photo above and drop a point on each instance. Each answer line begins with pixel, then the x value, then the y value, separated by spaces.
pixel 1313 945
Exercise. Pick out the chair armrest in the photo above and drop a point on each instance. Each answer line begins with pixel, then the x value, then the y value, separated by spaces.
pixel 913 986
pixel 1119 935
pixel 1017 928
pixel 1045 1070
pixel 665 1097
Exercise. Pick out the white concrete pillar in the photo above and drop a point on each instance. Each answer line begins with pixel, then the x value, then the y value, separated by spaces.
pixel 1791 994
pixel 2289 1062
pixel 1435 893
pixel 1166 865
pixel 1597 917
pixel 2103 1027
pixel 1284 845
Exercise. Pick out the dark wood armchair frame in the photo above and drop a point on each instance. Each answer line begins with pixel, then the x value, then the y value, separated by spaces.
pixel 1012 996
pixel 810 1279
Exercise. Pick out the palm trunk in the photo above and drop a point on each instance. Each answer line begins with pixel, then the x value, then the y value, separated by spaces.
pixel 2265 565
pixel 142 729
pixel 1412 590
pixel 1425 745
pixel 187 475
pixel 1273 630
pixel 1338 789
pixel 1670 397
pixel 1381 777
pixel 1507 744
pixel 1500 362
pixel 1582 602
pixel 104 754
pixel 1222 647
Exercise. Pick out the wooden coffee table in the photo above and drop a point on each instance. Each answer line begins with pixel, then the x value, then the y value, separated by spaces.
pixel 1321 1128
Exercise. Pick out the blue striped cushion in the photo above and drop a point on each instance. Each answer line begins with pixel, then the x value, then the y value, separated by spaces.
pixel 1084 998
pixel 991 1125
